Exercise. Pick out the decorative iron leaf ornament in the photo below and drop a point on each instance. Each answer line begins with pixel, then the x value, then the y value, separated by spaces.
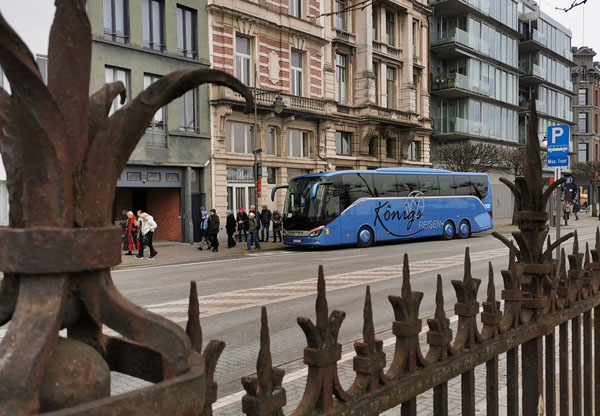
pixel 63 152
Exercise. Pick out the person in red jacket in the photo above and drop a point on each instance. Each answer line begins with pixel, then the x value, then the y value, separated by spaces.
pixel 131 230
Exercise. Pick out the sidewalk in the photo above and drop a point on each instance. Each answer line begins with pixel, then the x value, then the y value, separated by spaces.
pixel 172 253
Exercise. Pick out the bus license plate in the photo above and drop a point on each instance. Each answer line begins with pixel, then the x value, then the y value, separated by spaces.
pixel 297 241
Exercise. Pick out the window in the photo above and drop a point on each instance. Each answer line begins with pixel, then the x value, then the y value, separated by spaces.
pixel 134 176
pixel 373 147
pixel 582 96
pixel 297 143
pixel 242 59
pixel 342 142
pixel 340 15
pixel 271 141
pixel 390 83
pixel 296 8
pixel 406 184
pixel 374 22
pixel 416 38
pixel 386 186
pixel 296 74
pixel 583 123
pixel 340 78
pixel 582 152
pixel 186 32
pixel 187 111
pixel 238 138
pixel 596 98
pixel 113 74
pixel 446 185
pixel 116 20
pixel 390 148
pixel 414 151
pixel 390 29
pixel 271 176
pixel 376 73
pixel 156 133
pixel 152 24
pixel 596 123
pixel 153 176
pixel 428 184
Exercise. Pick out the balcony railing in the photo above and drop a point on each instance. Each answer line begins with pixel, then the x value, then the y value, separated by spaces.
pixel 293 102
pixel 460 36
pixel 463 82
pixel 533 69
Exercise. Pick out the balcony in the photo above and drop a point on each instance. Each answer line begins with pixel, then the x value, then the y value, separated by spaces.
pixel 461 82
pixel 265 98
pixel 533 73
pixel 569 115
pixel 389 115
pixel 451 125
pixel 456 35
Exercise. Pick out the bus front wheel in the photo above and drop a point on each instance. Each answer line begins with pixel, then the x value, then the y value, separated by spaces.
pixel 365 237
pixel 448 230
pixel 464 229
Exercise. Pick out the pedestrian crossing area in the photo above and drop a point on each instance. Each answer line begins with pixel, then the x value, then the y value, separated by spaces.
pixel 226 302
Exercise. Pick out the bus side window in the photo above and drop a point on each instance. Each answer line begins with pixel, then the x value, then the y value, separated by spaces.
pixel 463 185
pixel 428 184
pixel 447 187
pixel 406 184
pixel 480 185
pixel 357 187
pixel 386 186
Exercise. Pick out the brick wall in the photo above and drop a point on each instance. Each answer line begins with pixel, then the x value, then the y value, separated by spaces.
pixel 164 206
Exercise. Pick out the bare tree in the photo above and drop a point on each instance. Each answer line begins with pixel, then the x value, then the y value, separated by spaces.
pixel 574 4
pixel 467 157
pixel 590 171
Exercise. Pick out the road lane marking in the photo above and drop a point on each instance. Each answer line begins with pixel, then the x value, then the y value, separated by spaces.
pixel 345 257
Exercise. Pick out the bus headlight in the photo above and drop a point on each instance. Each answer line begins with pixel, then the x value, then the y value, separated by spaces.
pixel 315 232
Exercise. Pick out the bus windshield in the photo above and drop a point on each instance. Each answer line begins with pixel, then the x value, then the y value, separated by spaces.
pixel 300 212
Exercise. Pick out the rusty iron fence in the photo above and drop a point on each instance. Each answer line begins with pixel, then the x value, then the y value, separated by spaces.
pixel 63 153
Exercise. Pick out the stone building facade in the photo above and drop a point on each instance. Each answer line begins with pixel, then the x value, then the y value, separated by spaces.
pixel 329 69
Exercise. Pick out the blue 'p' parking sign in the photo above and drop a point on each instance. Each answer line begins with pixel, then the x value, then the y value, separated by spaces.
pixel 558 145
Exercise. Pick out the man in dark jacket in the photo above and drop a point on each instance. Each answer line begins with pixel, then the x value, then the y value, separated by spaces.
pixel 214 224
pixel 276 225
pixel 265 222
pixel 230 226
pixel 253 226
pixel 242 220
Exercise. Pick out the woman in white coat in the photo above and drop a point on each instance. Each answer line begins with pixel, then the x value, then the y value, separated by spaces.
pixel 147 225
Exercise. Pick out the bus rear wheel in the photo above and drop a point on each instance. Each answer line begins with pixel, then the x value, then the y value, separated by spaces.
pixel 365 237
pixel 464 229
pixel 448 230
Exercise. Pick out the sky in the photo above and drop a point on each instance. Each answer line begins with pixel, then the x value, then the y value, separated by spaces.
pixel 32 19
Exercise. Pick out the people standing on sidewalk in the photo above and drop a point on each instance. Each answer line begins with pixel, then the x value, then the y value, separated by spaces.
pixel 214 225
pixel 253 227
pixel 148 225
pixel 566 211
pixel 138 220
pixel 576 208
pixel 265 223
pixel 131 229
pixel 242 221
pixel 204 231
pixel 276 225
pixel 230 227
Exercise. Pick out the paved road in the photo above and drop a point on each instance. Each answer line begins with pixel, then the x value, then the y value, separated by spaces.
pixel 232 290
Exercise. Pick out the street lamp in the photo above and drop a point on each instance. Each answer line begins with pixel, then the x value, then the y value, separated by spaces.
pixel 278 106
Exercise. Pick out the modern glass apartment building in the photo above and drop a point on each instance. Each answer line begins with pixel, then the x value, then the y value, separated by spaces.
pixel 474 70
pixel 545 61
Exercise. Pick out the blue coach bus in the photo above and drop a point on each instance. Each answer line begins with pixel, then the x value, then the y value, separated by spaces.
pixel 367 206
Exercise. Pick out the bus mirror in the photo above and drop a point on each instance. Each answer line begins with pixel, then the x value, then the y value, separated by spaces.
pixel 313 189
pixel 275 189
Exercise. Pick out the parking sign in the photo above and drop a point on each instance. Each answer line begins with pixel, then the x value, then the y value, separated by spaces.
pixel 558 141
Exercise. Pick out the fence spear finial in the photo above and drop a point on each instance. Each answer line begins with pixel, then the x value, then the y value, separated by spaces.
pixel 193 328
